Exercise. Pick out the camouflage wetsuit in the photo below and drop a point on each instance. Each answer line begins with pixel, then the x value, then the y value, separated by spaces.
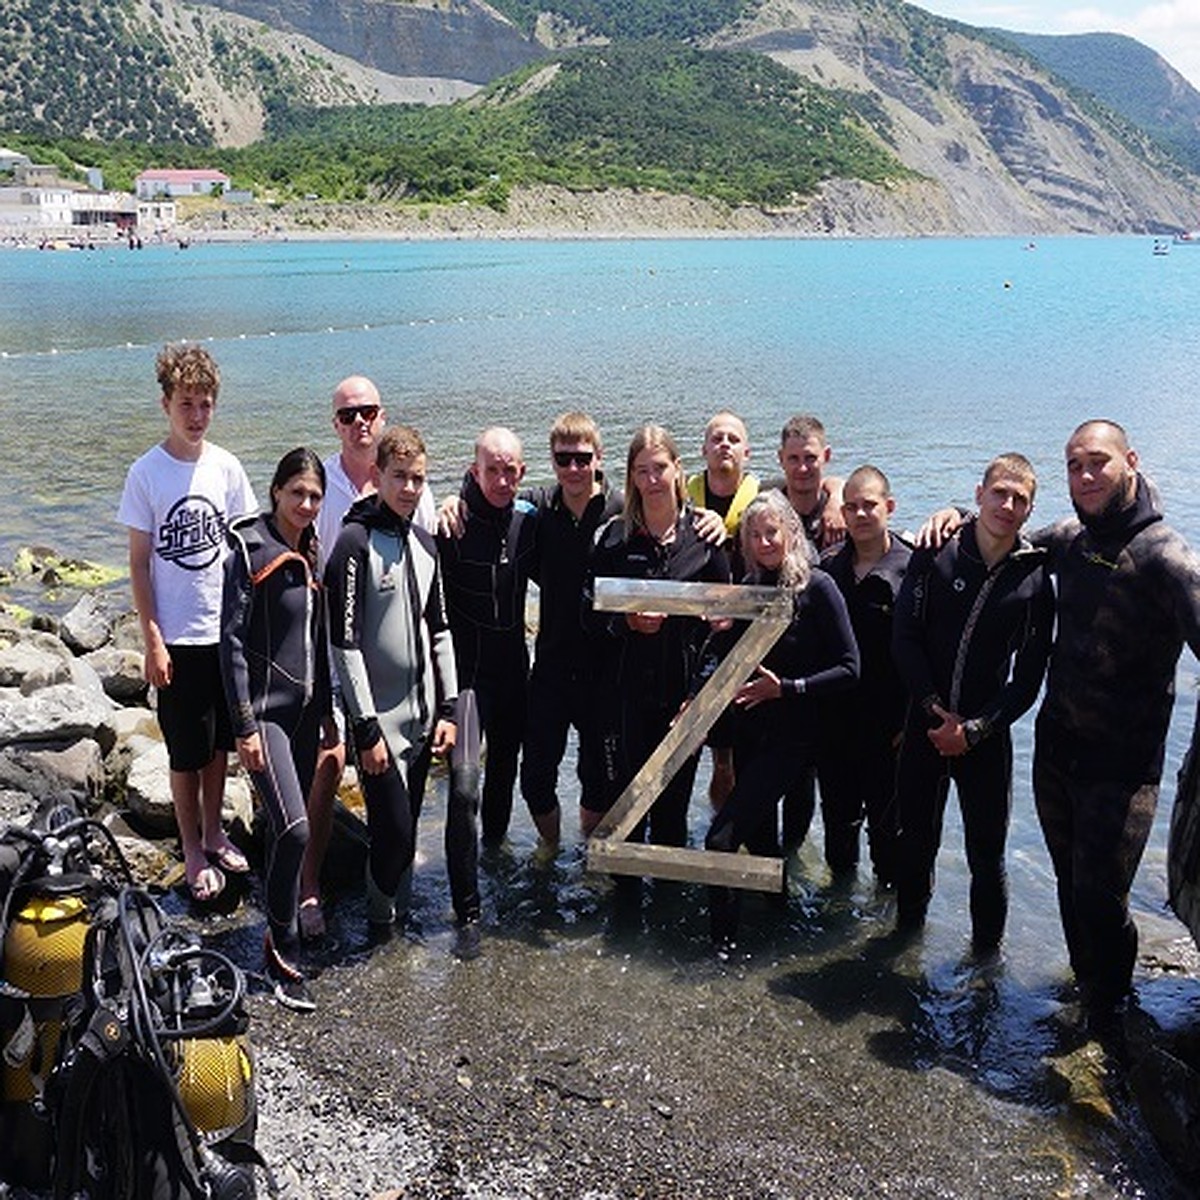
pixel 1128 598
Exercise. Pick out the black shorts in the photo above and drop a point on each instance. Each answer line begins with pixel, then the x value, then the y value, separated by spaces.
pixel 192 712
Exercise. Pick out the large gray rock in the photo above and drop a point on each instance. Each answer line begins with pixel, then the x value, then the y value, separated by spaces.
pixel 61 714
pixel 88 625
pixel 148 786
pixel 120 673
pixel 148 793
pixel 76 772
pixel 127 633
pixel 30 667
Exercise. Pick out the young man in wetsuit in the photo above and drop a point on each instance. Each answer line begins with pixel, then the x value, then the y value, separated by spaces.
pixel 486 573
pixel 1128 600
pixel 971 637
pixel 392 646
pixel 561 684
pixel 358 419
pixel 804 452
pixel 860 730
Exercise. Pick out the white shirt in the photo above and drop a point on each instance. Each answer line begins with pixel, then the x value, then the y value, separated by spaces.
pixel 186 507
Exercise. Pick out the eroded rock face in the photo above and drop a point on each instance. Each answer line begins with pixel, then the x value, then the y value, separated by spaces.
pixel 464 40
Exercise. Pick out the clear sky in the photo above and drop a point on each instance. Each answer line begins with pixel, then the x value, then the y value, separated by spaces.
pixel 1172 27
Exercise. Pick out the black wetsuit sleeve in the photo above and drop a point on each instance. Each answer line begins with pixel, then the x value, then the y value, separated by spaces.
pixel 835 636
pixel 908 631
pixel 1180 566
pixel 237 602
pixel 323 671
pixel 1029 664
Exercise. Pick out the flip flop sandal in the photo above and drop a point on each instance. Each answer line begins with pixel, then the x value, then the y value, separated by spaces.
pixel 229 859
pixel 208 884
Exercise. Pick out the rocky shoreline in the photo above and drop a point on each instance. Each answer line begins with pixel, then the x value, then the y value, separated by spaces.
pixel 842 208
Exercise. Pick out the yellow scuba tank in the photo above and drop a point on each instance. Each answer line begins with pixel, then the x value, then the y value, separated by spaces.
pixel 43 957
pixel 215 1077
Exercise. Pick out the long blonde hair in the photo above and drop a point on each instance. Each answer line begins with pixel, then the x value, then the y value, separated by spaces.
pixel 650 437
pixel 795 571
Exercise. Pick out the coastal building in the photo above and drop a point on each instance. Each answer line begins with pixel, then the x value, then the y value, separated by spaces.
pixel 11 159
pixel 173 183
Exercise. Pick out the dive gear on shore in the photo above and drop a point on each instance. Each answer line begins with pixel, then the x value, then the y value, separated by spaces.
pixel 128 1073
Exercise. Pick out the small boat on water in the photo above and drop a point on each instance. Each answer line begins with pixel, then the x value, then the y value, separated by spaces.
pixel 1162 246
pixel 1190 237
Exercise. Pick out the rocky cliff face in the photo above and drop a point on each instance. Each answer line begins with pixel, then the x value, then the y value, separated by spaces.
pixel 450 39
pixel 1010 149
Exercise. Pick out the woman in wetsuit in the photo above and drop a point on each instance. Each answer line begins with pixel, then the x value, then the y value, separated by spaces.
pixel 274 660
pixel 772 716
pixel 646 661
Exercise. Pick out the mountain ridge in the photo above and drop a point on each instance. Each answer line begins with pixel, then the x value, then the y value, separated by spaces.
pixel 1005 144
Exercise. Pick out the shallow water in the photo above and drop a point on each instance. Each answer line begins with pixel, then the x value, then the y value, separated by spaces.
pixel 925 357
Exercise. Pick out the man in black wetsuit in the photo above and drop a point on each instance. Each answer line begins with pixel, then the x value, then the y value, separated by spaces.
pixel 972 632
pixel 860 729
pixel 1128 599
pixel 486 573
pixel 561 685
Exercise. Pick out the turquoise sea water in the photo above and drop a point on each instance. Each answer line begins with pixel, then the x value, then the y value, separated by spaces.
pixel 924 357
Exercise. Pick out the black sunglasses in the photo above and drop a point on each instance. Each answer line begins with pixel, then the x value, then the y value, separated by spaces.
pixel 348 416
pixel 581 458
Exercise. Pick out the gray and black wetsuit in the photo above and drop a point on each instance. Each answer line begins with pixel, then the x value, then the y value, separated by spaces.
pixel 391 645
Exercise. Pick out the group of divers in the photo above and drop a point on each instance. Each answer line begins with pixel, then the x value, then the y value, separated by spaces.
pixel 350 612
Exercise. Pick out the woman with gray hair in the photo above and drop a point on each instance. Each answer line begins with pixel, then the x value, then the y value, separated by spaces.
pixel 773 717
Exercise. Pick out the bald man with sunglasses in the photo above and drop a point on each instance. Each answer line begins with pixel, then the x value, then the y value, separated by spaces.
pixel 359 421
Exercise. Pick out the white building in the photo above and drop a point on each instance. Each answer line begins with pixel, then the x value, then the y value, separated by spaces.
pixel 170 182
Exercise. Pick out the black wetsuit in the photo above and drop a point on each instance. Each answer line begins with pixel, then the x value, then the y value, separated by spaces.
pixel 644 678
pixel 860 729
pixel 775 743
pixel 486 573
pixel 1128 599
pixel 974 640
pixel 562 684
pixel 274 661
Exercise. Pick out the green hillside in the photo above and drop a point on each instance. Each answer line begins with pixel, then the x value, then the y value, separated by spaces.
pixel 678 20
pixel 70 67
pixel 732 126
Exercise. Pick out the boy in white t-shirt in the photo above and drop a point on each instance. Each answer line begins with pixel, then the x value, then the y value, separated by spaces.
pixel 178 499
